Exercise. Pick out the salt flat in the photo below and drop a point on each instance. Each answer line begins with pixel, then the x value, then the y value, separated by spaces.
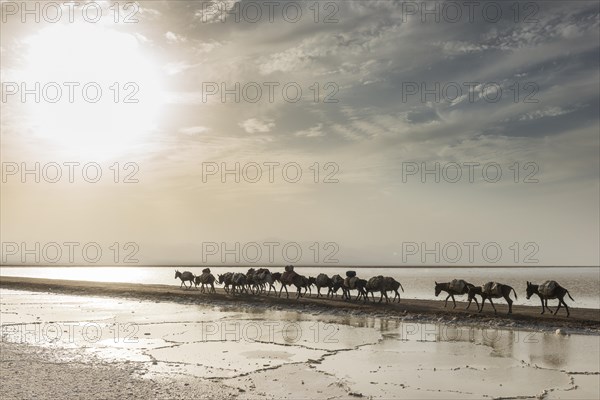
pixel 259 353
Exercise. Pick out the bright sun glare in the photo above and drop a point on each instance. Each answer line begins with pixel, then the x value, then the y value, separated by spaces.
pixel 113 85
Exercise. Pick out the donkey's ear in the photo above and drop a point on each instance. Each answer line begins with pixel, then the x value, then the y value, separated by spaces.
pixel 436 283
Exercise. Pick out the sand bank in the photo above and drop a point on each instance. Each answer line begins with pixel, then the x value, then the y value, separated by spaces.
pixel 581 320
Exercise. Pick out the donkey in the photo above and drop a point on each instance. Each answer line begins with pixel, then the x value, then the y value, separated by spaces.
pixel 251 281
pixel 238 282
pixel 185 276
pixel 456 287
pixel 337 282
pixel 226 279
pixel 264 277
pixel 205 279
pixel 276 277
pixel 301 282
pixel 361 287
pixel 323 281
pixel 376 284
pixel 392 285
pixel 487 293
pixel 287 279
pixel 353 282
pixel 553 291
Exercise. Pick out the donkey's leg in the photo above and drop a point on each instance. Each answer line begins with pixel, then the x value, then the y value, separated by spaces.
pixel 397 295
pixel 510 302
pixel 482 303
pixel 566 306
pixel 446 302
pixel 543 306
pixel 492 303
pixel 453 301
pixel 549 309
pixel 558 308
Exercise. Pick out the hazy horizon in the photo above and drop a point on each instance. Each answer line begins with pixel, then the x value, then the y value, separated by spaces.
pixel 413 143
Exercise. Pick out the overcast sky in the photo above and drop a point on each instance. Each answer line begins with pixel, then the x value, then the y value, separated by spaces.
pixel 515 93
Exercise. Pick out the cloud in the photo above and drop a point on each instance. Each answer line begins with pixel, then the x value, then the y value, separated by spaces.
pixel 194 130
pixel 547 112
pixel 254 125
pixel 314 131
pixel 175 38
pixel 177 67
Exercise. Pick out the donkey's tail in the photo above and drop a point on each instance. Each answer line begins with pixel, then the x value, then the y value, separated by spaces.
pixel 569 294
pixel 401 287
pixel 513 289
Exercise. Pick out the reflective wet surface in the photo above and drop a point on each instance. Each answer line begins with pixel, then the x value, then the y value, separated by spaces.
pixel 278 354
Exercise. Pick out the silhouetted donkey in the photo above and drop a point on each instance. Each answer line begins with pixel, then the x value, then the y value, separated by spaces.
pixel 457 287
pixel 185 276
pixel 492 290
pixel 549 290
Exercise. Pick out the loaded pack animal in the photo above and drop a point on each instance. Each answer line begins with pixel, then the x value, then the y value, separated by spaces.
pixel 549 290
pixel 276 277
pixel 301 282
pixel 492 290
pixel 377 284
pixel 322 281
pixel 337 283
pixel 226 279
pixel 185 276
pixel 238 283
pixel 352 282
pixel 392 285
pixel 287 279
pixel 263 277
pixel 205 279
pixel 361 287
pixel 456 287
pixel 251 281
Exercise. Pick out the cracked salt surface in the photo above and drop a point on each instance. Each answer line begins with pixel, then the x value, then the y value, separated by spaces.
pixel 282 354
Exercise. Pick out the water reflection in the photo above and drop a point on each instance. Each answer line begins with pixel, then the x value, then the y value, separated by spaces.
pixel 553 350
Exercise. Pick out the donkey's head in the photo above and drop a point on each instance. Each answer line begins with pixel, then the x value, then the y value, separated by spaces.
pixel 177 274
pixel 438 289
pixel 531 289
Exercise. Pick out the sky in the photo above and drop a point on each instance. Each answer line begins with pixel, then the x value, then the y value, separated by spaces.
pixel 329 132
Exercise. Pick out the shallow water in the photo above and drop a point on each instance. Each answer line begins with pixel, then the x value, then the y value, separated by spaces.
pixel 582 283
pixel 329 356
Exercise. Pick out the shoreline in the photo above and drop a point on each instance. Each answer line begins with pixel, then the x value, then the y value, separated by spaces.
pixel 342 267
pixel 581 321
